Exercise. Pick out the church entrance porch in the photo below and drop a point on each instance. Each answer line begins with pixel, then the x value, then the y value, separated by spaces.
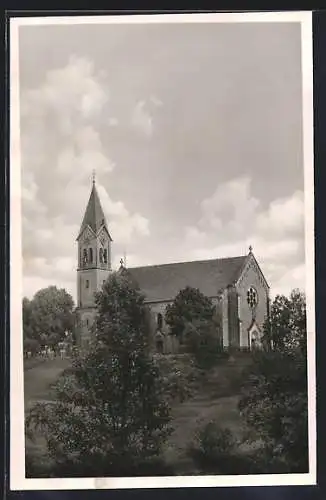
pixel 254 337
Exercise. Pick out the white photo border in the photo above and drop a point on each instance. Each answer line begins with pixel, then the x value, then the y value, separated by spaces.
pixel 18 481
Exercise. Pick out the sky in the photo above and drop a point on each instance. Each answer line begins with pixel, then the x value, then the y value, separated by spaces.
pixel 195 134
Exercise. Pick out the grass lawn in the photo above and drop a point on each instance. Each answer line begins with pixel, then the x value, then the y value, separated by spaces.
pixel 215 400
pixel 38 379
pixel 188 416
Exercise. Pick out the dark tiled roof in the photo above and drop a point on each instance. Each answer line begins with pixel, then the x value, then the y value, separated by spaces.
pixel 163 282
pixel 94 215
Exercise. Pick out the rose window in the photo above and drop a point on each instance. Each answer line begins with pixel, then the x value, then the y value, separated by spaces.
pixel 252 297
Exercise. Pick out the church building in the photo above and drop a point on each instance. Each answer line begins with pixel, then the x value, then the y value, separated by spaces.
pixel 235 285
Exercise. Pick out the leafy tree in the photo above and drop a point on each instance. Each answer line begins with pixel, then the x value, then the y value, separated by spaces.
pixel 31 345
pixel 286 327
pixel 48 315
pixel 27 319
pixel 189 305
pixel 203 341
pixel 110 417
pixel 274 399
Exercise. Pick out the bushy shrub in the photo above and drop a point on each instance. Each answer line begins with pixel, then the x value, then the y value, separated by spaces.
pixel 203 342
pixel 210 445
pixel 215 451
pixel 178 377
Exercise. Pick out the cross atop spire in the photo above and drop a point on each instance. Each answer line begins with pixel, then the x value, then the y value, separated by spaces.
pixel 250 249
pixel 93 176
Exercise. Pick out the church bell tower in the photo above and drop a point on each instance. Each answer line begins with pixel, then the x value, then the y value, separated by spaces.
pixel 94 263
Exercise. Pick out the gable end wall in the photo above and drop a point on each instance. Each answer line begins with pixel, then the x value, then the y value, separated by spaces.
pixel 251 276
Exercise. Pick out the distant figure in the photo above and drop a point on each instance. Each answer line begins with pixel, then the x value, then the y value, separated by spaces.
pixel 62 353
pixel 50 353
pixel 159 346
pixel 29 354
pixel 254 343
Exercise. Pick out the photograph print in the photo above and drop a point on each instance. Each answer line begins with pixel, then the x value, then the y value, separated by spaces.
pixel 162 259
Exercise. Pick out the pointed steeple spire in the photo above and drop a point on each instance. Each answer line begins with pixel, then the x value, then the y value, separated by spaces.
pixel 94 215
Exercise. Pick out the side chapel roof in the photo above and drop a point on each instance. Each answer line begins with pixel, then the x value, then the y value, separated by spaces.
pixel 163 282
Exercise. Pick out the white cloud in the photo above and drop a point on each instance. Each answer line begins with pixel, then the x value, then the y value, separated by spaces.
pixel 113 122
pixel 123 224
pixel 296 276
pixel 142 115
pixel 32 284
pixel 61 146
pixel 283 216
pixel 232 202
pixel 232 219
pixel 141 119
pixel 157 102
pixel 68 94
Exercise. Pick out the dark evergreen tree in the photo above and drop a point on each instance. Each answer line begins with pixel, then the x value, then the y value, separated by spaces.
pixel 110 417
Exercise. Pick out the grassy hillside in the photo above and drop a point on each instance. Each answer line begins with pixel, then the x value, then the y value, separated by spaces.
pixel 214 395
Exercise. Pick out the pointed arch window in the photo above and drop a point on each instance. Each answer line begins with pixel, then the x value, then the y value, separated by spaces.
pixel 159 321
pixel 101 255
pixel 90 255
pixel 85 256
pixel 105 256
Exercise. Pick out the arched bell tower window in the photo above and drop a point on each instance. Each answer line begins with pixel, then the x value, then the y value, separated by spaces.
pixel 105 256
pixel 84 256
pixel 101 255
pixel 159 321
pixel 91 255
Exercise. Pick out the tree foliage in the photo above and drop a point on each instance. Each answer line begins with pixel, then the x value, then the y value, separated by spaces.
pixel 179 375
pixel 214 450
pixel 274 399
pixel 48 315
pixel 285 329
pixel 203 341
pixel 189 306
pixel 110 413
pixel 31 345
